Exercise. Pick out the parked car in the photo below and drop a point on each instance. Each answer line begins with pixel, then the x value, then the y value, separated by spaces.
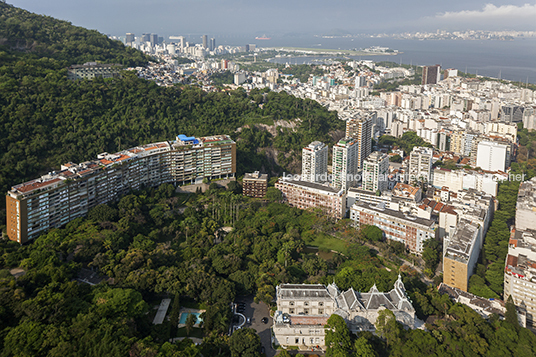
pixel 264 320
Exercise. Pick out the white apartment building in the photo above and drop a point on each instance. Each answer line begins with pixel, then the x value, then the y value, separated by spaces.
pixel 526 205
pixel 315 162
pixel 420 164
pixel 375 172
pixel 345 164
pixel 492 156
pixel 520 272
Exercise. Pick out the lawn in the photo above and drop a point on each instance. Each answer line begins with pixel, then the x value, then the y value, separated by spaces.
pixel 329 243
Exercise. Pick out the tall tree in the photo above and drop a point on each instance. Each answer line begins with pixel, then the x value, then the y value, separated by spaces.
pixel 245 343
pixel 338 340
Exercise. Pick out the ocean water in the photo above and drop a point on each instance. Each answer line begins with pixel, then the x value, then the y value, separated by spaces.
pixel 513 60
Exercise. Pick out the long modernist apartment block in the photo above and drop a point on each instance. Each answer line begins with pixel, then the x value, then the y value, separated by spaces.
pixel 59 197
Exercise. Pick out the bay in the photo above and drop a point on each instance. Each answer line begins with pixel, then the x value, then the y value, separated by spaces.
pixel 513 60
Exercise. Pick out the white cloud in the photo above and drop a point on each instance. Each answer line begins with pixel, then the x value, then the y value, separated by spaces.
pixel 491 12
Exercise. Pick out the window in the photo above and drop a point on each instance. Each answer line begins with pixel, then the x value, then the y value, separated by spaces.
pixel 306 303
pixel 291 311
pixel 306 311
pixel 321 303
pixel 320 311
pixel 297 340
pixel 291 303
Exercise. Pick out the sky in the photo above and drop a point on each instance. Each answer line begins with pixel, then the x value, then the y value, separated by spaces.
pixel 286 17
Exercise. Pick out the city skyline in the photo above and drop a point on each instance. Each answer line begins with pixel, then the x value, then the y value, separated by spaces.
pixel 277 18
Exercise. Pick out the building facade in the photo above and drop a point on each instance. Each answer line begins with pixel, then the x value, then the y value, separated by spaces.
pixel 91 70
pixel 420 165
pixel 526 205
pixel 303 310
pixel 305 195
pixel 431 74
pixel 520 272
pixel 345 166
pixel 396 225
pixel 492 156
pixel 315 162
pixel 56 198
pixel 461 254
pixel 360 128
pixel 255 184
pixel 375 172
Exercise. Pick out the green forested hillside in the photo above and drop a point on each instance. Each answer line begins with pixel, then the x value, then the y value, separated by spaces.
pixel 59 43
pixel 46 120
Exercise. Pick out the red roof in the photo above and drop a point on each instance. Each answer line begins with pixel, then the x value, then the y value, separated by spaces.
pixel 34 185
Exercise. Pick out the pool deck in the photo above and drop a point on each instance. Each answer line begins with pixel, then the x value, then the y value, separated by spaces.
pixel 187 310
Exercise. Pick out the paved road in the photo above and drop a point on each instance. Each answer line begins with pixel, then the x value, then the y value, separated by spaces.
pixel 256 312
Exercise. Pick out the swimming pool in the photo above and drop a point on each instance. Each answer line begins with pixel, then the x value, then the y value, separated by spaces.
pixel 184 316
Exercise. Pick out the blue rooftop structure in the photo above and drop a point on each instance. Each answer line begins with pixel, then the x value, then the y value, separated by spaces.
pixel 185 138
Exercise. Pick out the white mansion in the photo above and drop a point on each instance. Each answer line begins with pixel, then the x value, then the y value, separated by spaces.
pixel 303 310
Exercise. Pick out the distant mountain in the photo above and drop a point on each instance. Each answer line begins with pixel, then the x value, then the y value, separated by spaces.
pixel 25 32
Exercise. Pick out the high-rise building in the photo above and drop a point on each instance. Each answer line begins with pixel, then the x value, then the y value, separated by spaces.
pixel 56 198
pixel 171 49
pixel 360 81
pixel 492 156
pixel 154 39
pixel 129 39
pixel 205 41
pixel 512 113
pixel 519 272
pixel 375 172
pixel 239 78
pixel 360 128
pixel 315 162
pixel 450 72
pixel 461 254
pixel 212 44
pixel 526 206
pixel 146 37
pixel 431 74
pixel 345 165
pixel 420 165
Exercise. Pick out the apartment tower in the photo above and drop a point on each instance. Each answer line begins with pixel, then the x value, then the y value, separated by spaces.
pixel 431 74
pixel 315 162
pixel 345 165
pixel 375 172
pixel 360 128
